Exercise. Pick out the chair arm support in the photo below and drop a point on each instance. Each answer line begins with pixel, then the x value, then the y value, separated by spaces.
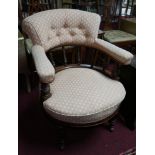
pixel 115 52
pixel 44 67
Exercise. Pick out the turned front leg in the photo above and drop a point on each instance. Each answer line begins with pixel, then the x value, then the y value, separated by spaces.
pixel 45 91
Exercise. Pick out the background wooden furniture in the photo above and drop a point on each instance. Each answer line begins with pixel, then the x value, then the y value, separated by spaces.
pixel 109 10
pixel 128 106
pixel 114 10
pixel 116 30
pixel 86 5
pixel 28 7
pixel 128 25
pixel 23 68
pixel 125 36
pixel 128 8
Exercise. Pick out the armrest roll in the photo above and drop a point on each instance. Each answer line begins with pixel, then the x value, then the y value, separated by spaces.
pixel 119 54
pixel 44 67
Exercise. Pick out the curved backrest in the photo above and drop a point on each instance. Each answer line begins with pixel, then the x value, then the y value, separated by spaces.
pixel 58 27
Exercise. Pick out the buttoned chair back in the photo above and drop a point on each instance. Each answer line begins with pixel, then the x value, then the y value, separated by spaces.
pixel 62 27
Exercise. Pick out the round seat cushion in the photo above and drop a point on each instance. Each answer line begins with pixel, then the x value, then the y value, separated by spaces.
pixel 81 96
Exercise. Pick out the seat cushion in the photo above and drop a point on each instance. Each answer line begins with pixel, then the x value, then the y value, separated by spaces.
pixel 115 36
pixel 81 95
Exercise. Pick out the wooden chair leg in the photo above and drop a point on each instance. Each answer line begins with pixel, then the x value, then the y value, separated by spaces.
pixel 111 124
pixel 28 84
pixel 61 137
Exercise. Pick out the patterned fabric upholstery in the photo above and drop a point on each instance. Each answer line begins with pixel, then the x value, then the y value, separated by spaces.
pixel 115 36
pixel 44 67
pixel 68 27
pixel 78 95
pixel 81 95
pixel 29 46
pixel 117 53
pixel 73 26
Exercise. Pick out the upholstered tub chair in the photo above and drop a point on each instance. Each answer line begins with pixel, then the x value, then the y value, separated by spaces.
pixel 76 95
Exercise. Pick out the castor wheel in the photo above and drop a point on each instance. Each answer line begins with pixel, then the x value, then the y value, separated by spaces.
pixel 111 129
pixel 61 138
pixel 111 125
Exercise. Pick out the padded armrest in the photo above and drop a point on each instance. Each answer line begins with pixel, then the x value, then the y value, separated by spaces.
pixel 44 67
pixel 115 52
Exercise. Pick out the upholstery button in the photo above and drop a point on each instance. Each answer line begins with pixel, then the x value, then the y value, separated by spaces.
pixel 58 33
pixel 86 35
pixel 52 27
pixel 72 33
pixel 65 25
pixel 80 26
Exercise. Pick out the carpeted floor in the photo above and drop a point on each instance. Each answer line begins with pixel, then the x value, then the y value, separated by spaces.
pixel 37 136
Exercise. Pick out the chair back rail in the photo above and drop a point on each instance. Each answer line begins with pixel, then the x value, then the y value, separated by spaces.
pixel 81 56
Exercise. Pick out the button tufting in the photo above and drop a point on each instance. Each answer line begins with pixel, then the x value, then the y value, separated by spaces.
pixel 65 25
pixel 80 26
pixel 86 35
pixel 72 33
pixel 51 34
pixel 57 33
pixel 52 27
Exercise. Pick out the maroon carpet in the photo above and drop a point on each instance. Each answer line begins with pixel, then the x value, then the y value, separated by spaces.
pixel 37 136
